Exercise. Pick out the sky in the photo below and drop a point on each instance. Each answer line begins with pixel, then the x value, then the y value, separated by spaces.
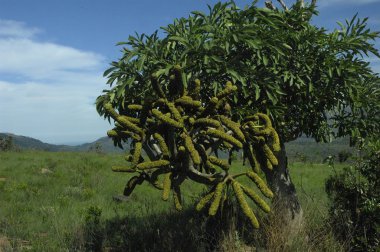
pixel 53 54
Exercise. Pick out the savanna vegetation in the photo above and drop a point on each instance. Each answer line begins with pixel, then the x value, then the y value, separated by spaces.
pixel 215 86
pixel 71 201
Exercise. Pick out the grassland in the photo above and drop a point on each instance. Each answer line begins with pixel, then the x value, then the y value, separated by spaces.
pixel 64 202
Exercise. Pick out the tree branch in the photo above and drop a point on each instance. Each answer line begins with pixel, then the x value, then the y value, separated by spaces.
pixel 200 177
pixel 171 142
pixel 283 4
pixel 148 150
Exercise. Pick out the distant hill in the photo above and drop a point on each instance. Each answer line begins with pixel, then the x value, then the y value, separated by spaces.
pixel 305 149
pixel 106 144
pixel 28 143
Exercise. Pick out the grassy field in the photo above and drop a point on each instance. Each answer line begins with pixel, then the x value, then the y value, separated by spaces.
pixel 64 202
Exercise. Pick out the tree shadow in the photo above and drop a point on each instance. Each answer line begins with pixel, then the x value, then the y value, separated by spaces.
pixel 188 230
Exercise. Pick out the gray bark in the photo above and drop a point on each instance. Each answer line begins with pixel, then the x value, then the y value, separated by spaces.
pixel 286 201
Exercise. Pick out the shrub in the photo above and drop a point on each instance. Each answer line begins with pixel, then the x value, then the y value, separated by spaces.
pixel 344 155
pixel 6 143
pixel 355 200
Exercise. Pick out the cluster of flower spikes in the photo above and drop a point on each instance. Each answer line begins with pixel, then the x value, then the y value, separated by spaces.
pixel 179 133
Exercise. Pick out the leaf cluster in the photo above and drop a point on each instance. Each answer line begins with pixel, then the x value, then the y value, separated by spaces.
pixel 309 80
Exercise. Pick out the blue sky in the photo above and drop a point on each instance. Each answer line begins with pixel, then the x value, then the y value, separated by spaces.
pixel 53 54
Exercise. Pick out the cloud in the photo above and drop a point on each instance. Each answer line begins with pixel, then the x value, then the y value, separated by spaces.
pixel 47 90
pixel 326 3
pixel 43 60
pixel 15 29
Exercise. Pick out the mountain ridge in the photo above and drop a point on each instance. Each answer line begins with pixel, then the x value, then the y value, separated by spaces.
pixel 29 143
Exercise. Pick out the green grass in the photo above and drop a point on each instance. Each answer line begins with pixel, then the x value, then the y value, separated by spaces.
pixel 63 201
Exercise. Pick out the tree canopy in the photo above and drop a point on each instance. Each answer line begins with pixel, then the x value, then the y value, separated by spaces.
pixel 309 80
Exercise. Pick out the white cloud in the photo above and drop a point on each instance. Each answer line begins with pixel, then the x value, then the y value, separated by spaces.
pixel 43 60
pixel 11 28
pixel 49 89
pixel 325 3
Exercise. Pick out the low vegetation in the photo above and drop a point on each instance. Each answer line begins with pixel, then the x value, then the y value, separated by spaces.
pixel 69 201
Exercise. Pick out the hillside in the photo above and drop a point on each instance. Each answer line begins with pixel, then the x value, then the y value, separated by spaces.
pixel 27 143
pixel 303 149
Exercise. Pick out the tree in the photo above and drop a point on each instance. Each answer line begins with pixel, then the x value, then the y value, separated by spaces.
pixel 179 133
pixel 308 80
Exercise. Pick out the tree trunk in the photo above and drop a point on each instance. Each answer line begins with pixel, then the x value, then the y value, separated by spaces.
pixel 286 203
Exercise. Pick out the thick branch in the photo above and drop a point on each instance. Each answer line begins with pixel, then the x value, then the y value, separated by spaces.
pixel 200 177
pixel 283 4
pixel 171 142
pixel 148 150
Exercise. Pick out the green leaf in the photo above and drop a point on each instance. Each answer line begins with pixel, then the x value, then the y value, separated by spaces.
pixel 257 92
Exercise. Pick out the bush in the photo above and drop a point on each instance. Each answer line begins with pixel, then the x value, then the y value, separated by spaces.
pixel 344 155
pixel 6 143
pixel 355 200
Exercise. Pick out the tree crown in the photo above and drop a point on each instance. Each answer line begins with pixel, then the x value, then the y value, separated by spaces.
pixel 310 81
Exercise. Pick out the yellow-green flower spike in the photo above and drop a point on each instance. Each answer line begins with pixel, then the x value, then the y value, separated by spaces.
pixel 157 184
pixel 259 131
pixel 234 127
pixel 275 140
pixel 209 166
pixel 181 149
pixel 129 125
pixel 207 122
pixel 269 155
pixel 187 101
pixel 131 119
pixel 167 185
pixel 196 88
pixel 203 202
pixel 123 134
pixel 123 169
pixel 244 205
pixel 177 198
pixel 112 133
pixel 128 158
pixel 137 153
pixel 134 107
pixel 260 184
pixel 108 107
pixel 251 118
pixel 216 200
pixel 259 201
pixel 153 164
pixel 191 120
pixel 227 90
pixel 225 137
pixel 252 158
pixel 161 142
pixel 131 184
pixel 166 119
pixel 269 164
pixel 191 149
pixel 156 86
pixel 266 119
pixel 174 111
pixel 176 82
pixel 219 162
